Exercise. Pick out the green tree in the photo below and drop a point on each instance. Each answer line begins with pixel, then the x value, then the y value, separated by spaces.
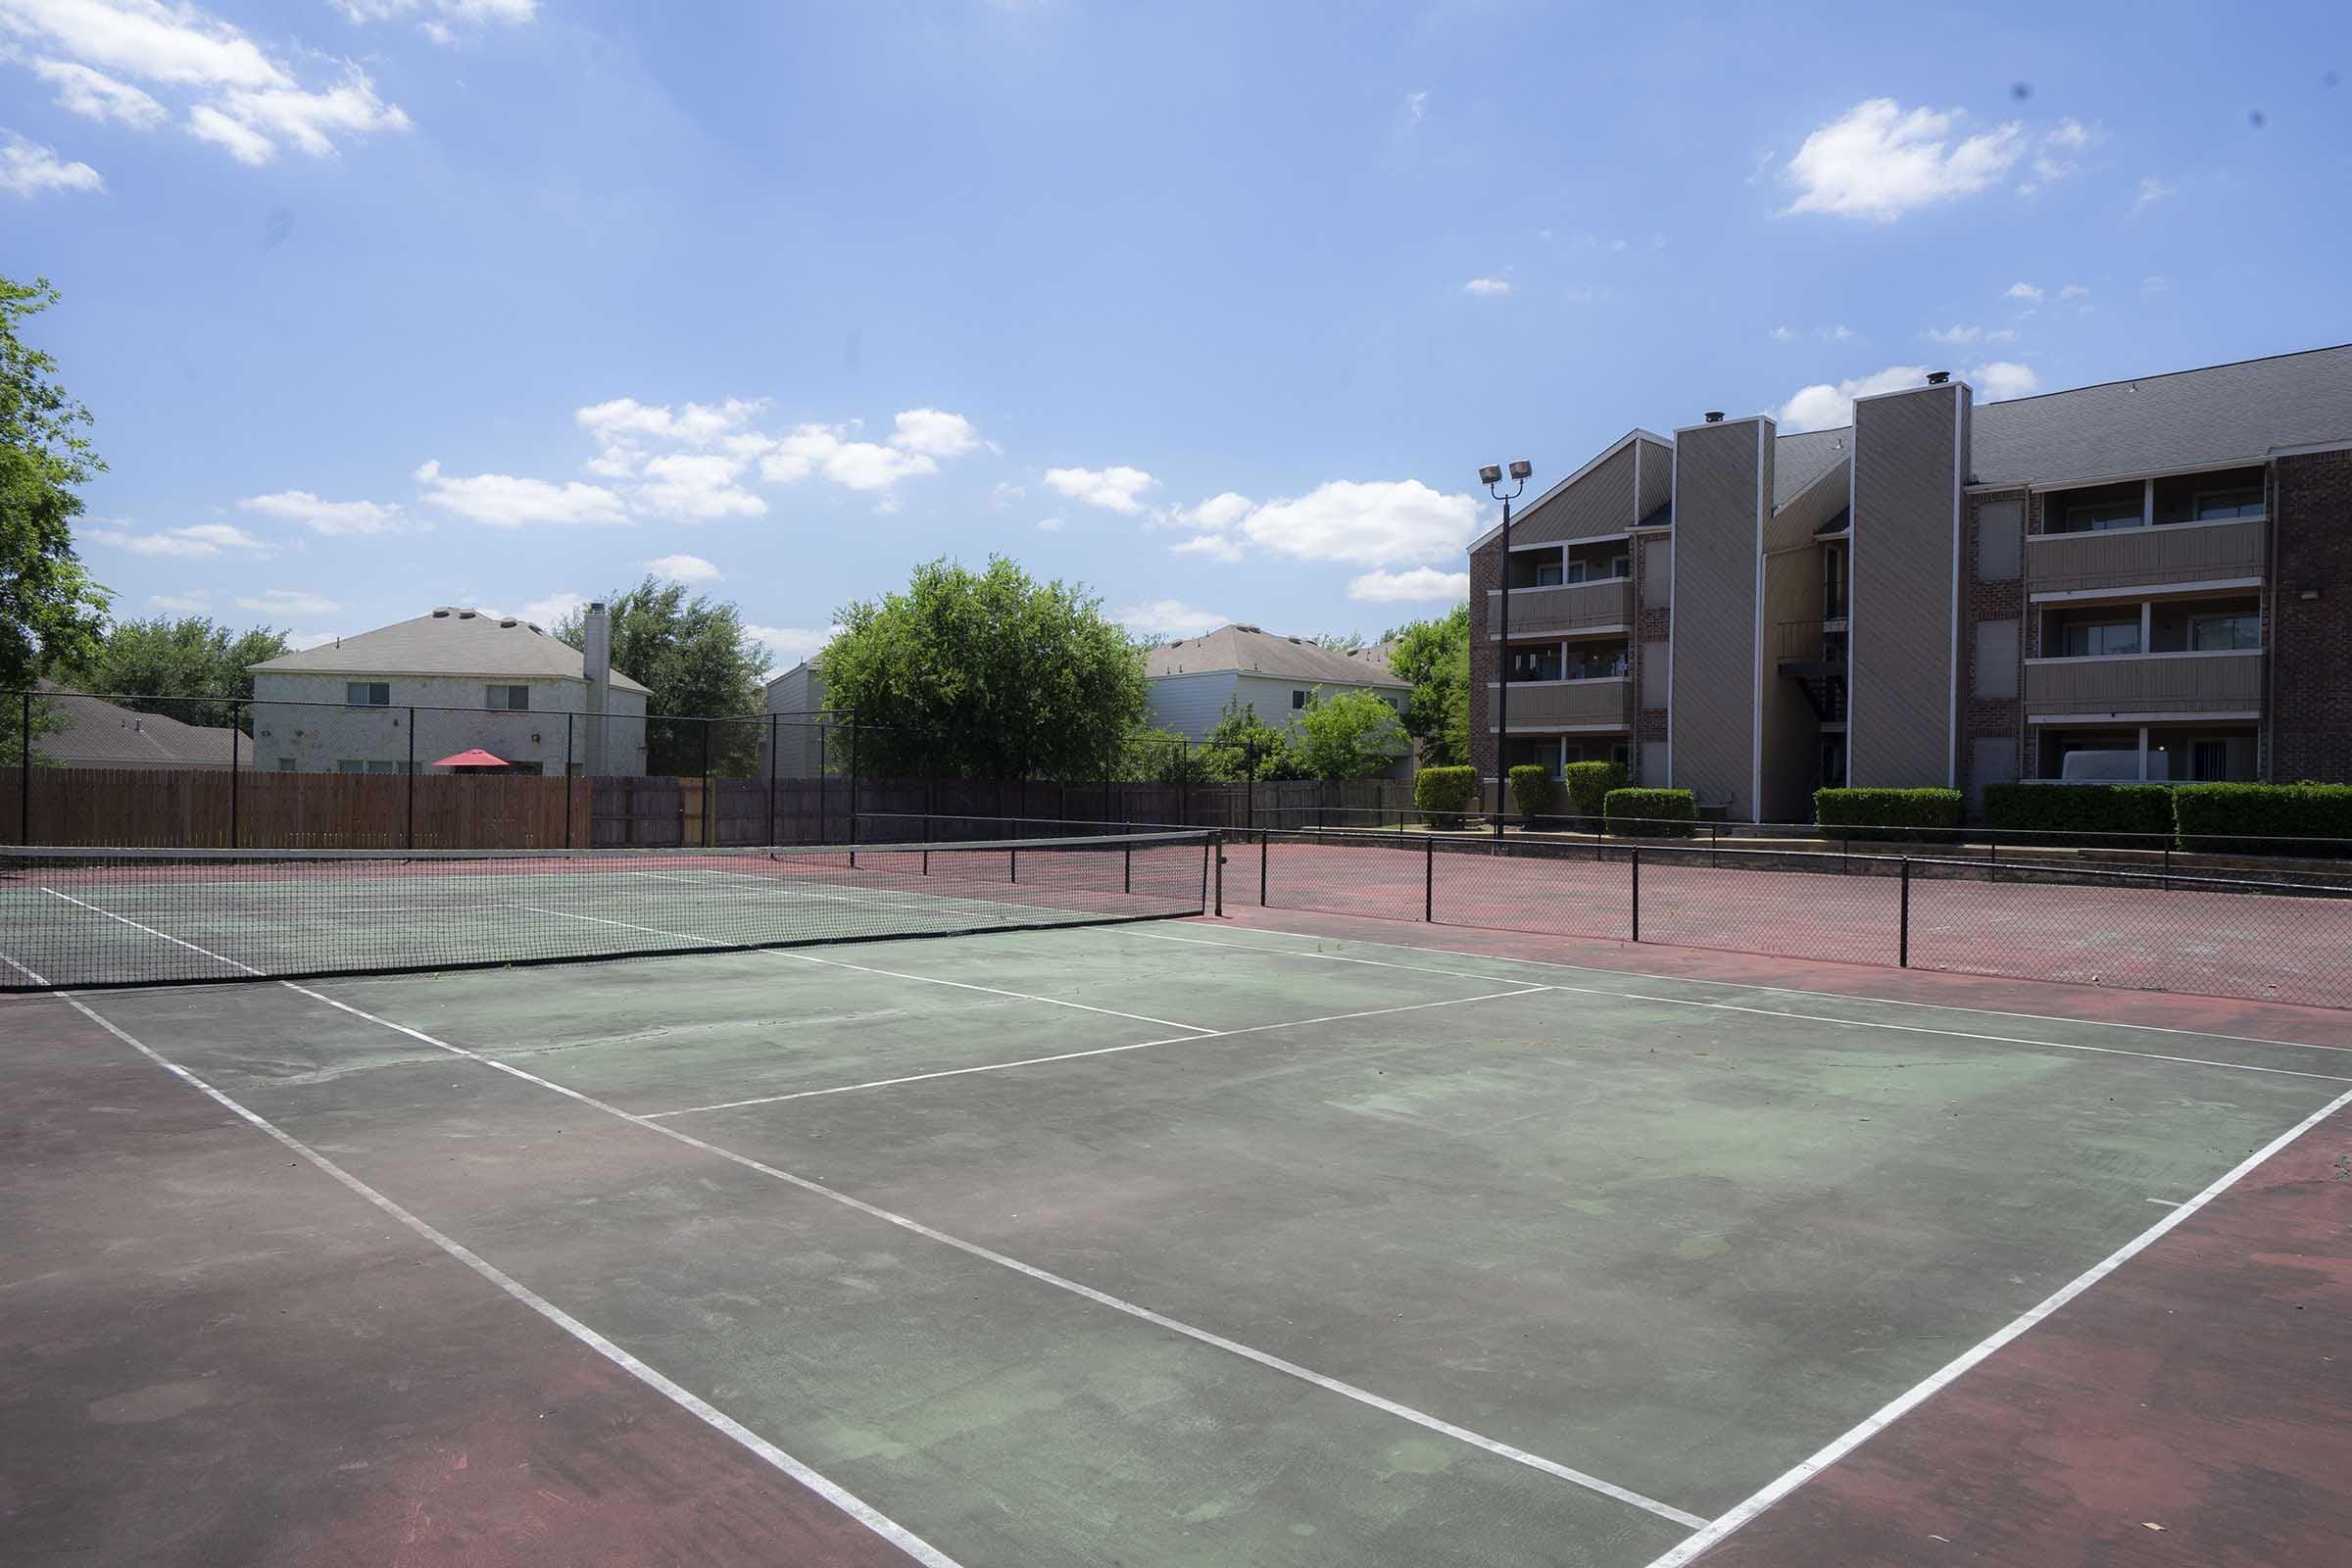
pixel 1435 655
pixel 1354 735
pixel 699 665
pixel 191 664
pixel 1162 756
pixel 50 609
pixel 985 674
pixel 45 721
pixel 1242 746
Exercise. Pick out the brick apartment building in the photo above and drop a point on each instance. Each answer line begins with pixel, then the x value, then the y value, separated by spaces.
pixel 2146 579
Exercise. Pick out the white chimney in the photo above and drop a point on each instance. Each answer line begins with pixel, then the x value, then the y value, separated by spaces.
pixel 596 658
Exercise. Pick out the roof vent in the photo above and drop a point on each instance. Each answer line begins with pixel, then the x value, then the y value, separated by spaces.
pixel 465 615
pixel 1300 640
pixel 1714 415
pixel 1243 626
pixel 509 621
pixel 440 615
pixel 1938 377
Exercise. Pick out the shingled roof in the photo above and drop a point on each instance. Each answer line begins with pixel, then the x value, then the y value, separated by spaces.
pixel 96 733
pixel 447 642
pixel 1253 651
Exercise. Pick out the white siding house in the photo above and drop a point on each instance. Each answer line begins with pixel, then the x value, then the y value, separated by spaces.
pixel 798 697
pixel 1188 683
pixel 469 679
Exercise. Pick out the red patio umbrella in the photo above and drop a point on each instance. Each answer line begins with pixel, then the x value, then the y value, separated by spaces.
pixel 476 758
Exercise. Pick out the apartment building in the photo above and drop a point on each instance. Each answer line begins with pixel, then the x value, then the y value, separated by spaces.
pixel 2146 579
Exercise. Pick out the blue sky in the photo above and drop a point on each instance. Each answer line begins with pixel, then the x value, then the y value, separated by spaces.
pixel 1216 309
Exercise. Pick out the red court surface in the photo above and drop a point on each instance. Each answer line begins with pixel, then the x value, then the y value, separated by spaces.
pixel 2124 935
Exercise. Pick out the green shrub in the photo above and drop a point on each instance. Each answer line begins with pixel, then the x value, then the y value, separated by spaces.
pixel 2079 807
pixel 1893 811
pixel 1534 788
pixel 2236 818
pixel 1589 784
pixel 1652 813
pixel 1442 794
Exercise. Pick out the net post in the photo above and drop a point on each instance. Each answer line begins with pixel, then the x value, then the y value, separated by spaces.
pixel 410 832
pixel 1902 948
pixel 853 787
pixel 567 778
pixel 235 767
pixel 775 764
pixel 1216 854
pixel 1126 868
pixel 25 766
pixel 707 783
pixel 1637 891
pixel 1013 859
pixel 1429 880
pixel 1265 853
pixel 823 736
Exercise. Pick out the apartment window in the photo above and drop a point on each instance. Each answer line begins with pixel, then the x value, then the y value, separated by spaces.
pixel 1536 663
pixel 2094 639
pixel 1833 582
pixel 2098 516
pixel 368 693
pixel 2214 506
pixel 1604 662
pixel 1621 565
pixel 353 765
pixel 2216 633
pixel 1297 699
pixel 513 699
pixel 285 764
pixel 1547 575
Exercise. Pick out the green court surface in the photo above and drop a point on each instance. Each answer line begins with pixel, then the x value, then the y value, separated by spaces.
pixel 1182 1244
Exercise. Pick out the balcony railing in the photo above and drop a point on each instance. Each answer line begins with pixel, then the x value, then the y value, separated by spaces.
pixel 2134 558
pixel 2145 683
pixel 1605 701
pixel 1572 606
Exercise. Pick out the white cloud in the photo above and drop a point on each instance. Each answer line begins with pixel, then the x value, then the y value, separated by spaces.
pixel 697 486
pixel 549 613
pixel 1168 618
pixel 2069 133
pixel 1049 525
pixel 1416 107
pixel 2073 291
pixel 2003 378
pixel 439 26
pixel 1422 584
pixel 1006 492
pixel 504 500
pixel 28 168
pixel 821 448
pixel 1823 407
pixel 288 602
pixel 2052 163
pixel 1954 334
pixel 1838 333
pixel 2031 293
pixel 95 95
pixel 1487 287
pixel 303 641
pixel 1117 489
pixel 1214 516
pixel 683 568
pixel 2005 334
pixel 1214 546
pixel 194 602
pixel 2151 191
pixel 245 99
pixel 1878 163
pixel 624 421
pixel 2154 283
pixel 1376 524
pixel 193 543
pixel 935 433
pixel 790 645
pixel 1781 334
pixel 325 517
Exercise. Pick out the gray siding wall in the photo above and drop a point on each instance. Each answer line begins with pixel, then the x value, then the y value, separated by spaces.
pixel 1600 503
pixel 302 718
pixel 1191 704
pixel 1907 461
pixel 1657 477
pixel 1718 516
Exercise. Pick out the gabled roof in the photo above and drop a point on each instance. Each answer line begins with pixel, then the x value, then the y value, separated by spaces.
pixel 1590 463
pixel 1253 651
pixel 2219 415
pixel 447 642
pixel 105 734
pixel 1797 460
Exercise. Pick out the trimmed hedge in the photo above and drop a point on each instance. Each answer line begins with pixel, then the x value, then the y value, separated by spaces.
pixel 1535 790
pixel 1652 813
pixel 1589 785
pixel 2236 818
pixel 1928 809
pixel 1444 793
pixel 2081 808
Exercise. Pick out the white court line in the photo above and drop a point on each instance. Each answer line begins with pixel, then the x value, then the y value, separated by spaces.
pixel 1074 1055
pixel 1264 1358
pixel 724 945
pixel 865 1513
pixel 1749 985
pixel 1895 1409
pixel 1145 1314
pixel 1816 1017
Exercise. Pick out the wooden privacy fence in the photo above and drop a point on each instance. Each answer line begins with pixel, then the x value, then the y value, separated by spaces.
pixel 217 808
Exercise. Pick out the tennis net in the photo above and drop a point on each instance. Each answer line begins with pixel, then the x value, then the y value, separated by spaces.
pixel 83 918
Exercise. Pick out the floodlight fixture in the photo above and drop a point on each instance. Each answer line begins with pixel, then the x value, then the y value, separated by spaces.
pixel 1491 473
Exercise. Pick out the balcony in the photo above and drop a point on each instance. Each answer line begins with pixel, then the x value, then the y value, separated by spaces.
pixel 1602 704
pixel 2228 682
pixel 1566 608
pixel 2137 558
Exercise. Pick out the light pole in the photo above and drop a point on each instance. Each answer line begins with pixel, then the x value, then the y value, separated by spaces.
pixel 1492 477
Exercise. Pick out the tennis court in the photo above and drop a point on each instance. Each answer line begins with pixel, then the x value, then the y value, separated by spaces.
pixel 1032 1218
